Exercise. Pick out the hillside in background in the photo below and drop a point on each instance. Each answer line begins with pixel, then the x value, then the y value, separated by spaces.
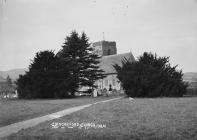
pixel 190 76
pixel 14 73
pixel 2 79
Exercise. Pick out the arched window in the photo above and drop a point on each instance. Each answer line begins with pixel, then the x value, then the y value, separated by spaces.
pixel 113 82
pixel 106 82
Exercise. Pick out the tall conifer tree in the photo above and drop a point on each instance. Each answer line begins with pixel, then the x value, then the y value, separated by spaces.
pixel 83 63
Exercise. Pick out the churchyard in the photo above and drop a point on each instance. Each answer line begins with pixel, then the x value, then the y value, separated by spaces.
pixel 16 110
pixel 138 118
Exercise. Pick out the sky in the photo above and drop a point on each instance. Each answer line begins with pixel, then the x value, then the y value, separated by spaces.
pixel 164 27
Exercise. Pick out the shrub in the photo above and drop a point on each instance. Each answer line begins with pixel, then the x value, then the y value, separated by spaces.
pixel 191 91
pixel 46 78
pixel 150 76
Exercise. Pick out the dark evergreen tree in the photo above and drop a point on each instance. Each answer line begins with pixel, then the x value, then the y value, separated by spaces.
pixel 46 78
pixel 150 76
pixel 24 86
pixel 82 62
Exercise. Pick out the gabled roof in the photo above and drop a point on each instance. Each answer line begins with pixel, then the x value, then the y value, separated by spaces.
pixel 107 62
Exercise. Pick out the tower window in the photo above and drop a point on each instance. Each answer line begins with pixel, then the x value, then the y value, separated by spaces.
pixel 109 52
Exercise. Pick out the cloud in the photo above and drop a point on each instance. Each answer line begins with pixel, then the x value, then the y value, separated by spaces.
pixel 162 26
pixel 5 19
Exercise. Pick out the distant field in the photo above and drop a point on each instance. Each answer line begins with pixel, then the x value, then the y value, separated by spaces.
pixel 159 118
pixel 12 111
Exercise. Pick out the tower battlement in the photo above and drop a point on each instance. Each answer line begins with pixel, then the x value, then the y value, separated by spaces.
pixel 104 48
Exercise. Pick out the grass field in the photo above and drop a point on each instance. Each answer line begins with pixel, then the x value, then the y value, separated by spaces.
pixel 12 111
pixel 159 118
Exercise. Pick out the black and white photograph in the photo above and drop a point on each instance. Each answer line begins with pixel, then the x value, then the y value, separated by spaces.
pixel 98 69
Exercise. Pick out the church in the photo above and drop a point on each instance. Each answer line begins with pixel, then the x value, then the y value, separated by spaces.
pixel 109 57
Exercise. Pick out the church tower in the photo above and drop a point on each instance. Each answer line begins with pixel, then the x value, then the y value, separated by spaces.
pixel 104 48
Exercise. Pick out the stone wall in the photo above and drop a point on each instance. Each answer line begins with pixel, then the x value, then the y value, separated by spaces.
pixel 104 48
pixel 109 80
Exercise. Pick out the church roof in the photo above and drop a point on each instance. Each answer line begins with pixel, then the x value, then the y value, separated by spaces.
pixel 107 62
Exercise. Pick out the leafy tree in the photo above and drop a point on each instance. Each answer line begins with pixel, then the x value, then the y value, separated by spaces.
pixel 150 76
pixel 46 78
pixel 7 87
pixel 83 63
pixel 8 80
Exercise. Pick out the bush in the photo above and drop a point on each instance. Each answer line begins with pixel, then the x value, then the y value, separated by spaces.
pixel 191 91
pixel 150 76
pixel 47 78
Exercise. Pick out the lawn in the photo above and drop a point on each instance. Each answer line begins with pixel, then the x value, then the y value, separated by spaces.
pixel 159 118
pixel 12 111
